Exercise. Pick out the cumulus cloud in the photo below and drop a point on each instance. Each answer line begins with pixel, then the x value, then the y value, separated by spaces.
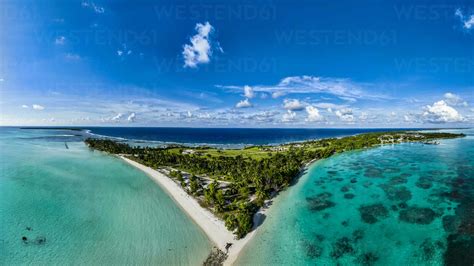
pixel 441 112
pixel 454 100
pixel 200 50
pixel 293 105
pixel 248 92
pixel 345 115
pixel 244 104
pixel 288 116
pixel 93 6
pixel 131 117
pixel 38 107
pixel 25 106
pixel 60 40
pixel 117 117
pixel 466 20
pixel 313 114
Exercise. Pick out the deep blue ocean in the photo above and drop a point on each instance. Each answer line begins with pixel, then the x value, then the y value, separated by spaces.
pixel 225 136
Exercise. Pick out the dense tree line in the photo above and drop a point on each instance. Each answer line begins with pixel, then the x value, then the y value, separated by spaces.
pixel 250 178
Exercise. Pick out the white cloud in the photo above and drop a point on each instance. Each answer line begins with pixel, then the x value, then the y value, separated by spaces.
pixel 38 107
pixel 124 51
pixel 288 116
pixel 204 116
pixel 72 57
pixel 278 94
pixel 349 99
pixel 117 117
pixel 248 92
pixel 25 106
pixel 60 40
pixel 2 79
pixel 266 116
pixel 330 106
pixel 441 112
pixel 131 117
pixel 454 100
pixel 410 118
pixel 313 114
pixel 200 49
pixel 311 84
pixel 244 104
pixel 293 105
pixel 342 88
pixel 466 20
pixel 345 115
pixel 93 6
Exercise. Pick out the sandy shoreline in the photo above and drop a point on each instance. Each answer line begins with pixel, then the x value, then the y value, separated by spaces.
pixel 210 224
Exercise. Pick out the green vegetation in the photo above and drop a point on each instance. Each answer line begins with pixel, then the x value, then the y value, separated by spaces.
pixel 234 183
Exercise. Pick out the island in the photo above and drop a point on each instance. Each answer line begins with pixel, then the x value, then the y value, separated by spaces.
pixel 227 191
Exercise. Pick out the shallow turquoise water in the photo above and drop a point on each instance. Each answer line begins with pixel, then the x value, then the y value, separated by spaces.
pixel 408 204
pixel 75 206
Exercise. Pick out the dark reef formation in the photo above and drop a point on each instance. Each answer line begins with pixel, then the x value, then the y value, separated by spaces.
pixel 342 246
pixel 367 259
pixel 313 251
pixel 396 193
pixel 373 213
pixel 320 202
pixel 424 183
pixel 349 196
pixel 417 215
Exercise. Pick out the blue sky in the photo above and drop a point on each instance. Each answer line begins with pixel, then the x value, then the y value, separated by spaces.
pixel 237 63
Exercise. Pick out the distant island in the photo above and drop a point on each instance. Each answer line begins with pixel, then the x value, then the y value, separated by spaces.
pixel 233 186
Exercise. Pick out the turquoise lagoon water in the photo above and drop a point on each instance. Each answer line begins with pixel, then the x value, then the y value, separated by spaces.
pixel 408 204
pixel 75 206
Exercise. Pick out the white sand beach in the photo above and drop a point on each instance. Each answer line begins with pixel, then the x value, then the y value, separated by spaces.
pixel 210 224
